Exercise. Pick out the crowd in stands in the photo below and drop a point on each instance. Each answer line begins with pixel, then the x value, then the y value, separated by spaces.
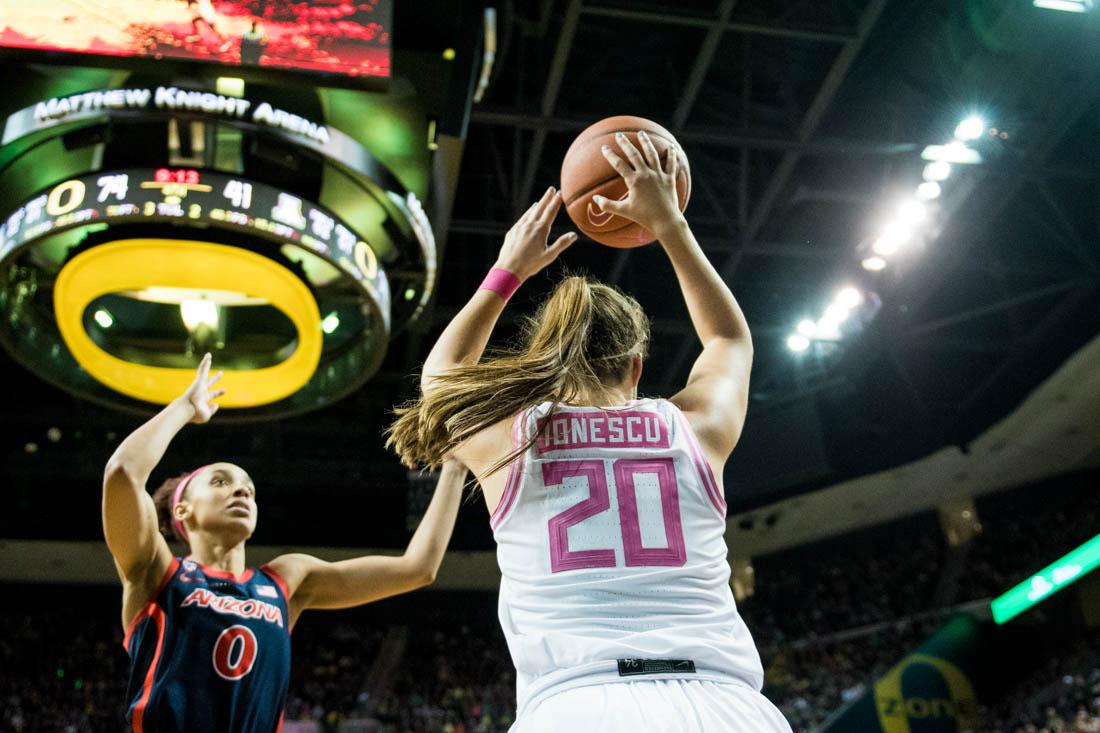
pixel 1026 529
pixel 459 682
pixel 811 679
pixel 62 669
pixel 838 584
pixel 1062 696
pixel 329 666
pixel 829 619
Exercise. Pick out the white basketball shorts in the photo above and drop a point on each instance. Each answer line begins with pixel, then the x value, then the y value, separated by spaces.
pixel 684 706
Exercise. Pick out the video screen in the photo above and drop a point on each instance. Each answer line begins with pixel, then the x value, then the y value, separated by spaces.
pixel 333 36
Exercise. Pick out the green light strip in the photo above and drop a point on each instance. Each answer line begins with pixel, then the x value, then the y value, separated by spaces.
pixel 1047 582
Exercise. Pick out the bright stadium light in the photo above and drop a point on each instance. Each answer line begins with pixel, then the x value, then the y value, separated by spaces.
pixel 890 242
pixel 199 313
pixel 953 152
pixel 104 318
pixel 835 313
pixel 885 246
pixel 849 298
pixel 828 329
pixel 807 328
pixel 971 128
pixel 797 342
pixel 1069 6
pixel 937 170
pixel 912 212
pixel 873 264
pixel 928 190
pixel 330 323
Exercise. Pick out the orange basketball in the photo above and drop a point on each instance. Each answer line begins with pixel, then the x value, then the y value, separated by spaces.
pixel 585 172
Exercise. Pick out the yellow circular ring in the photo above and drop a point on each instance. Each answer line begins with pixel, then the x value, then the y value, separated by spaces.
pixel 133 264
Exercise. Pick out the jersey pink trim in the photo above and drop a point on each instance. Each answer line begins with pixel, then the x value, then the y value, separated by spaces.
pixel 515 474
pixel 148 607
pixel 702 465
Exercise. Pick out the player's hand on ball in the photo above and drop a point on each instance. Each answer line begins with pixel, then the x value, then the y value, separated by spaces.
pixel 199 394
pixel 525 251
pixel 651 199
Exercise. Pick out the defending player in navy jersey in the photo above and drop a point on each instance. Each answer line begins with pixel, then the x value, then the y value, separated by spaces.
pixel 208 636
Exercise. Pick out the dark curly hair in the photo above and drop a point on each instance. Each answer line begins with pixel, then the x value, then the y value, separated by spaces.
pixel 162 499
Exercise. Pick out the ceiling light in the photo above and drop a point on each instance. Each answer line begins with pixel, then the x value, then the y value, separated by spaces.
pixel 330 323
pixel 176 296
pixel 835 313
pixel 849 298
pixel 104 318
pixel 199 313
pixel 828 329
pixel 885 246
pixel 953 152
pixel 971 128
pixel 912 212
pixel 896 234
pixel 874 264
pixel 1069 6
pixel 797 342
pixel 928 190
pixel 807 328
pixel 937 171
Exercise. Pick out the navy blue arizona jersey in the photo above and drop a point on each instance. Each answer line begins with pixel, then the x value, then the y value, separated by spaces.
pixel 210 652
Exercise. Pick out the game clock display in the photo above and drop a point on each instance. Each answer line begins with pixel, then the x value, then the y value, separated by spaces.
pixel 187 195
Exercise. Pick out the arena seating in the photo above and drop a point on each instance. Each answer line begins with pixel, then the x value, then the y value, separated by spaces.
pixel 828 619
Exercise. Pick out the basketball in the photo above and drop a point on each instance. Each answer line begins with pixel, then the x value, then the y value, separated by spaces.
pixel 585 172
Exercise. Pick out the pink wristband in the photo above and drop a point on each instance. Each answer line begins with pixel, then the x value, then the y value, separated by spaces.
pixel 501 282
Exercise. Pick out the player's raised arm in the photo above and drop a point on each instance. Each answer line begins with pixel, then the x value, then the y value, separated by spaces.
pixel 715 398
pixel 525 252
pixel 315 583
pixel 130 522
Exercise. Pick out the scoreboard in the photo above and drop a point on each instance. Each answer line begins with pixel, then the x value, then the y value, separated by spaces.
pixel 193 197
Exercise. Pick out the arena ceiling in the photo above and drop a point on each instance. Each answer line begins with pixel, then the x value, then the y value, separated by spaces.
pixel 804 122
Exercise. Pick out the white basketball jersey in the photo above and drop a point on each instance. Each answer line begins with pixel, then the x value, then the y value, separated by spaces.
pixel 610 539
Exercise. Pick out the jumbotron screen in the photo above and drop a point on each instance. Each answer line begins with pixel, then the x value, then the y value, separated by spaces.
pixel 349 37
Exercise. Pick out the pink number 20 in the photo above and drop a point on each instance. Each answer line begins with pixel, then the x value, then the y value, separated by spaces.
pixel 635 554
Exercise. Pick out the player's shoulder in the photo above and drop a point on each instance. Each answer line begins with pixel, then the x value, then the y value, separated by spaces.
pixel 291 569
pixel 486 444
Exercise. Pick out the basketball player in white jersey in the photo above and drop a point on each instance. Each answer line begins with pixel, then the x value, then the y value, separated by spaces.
pixel 609 518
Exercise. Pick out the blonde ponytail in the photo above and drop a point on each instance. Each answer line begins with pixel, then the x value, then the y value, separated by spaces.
pixel 584 336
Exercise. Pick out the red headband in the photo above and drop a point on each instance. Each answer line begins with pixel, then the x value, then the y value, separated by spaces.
pixel 176 496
